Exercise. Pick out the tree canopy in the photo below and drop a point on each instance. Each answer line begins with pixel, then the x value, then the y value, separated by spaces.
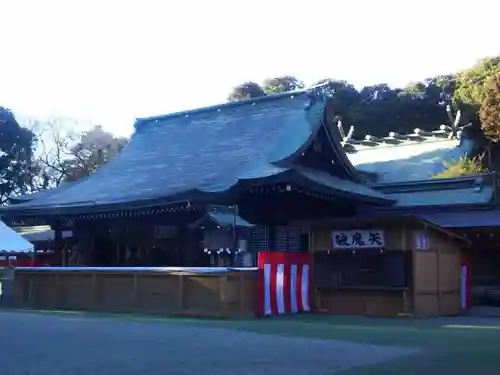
pixel 246 90
pixel 380 109
pixel 376 109
pixel 471 83
pixel 49 153
pixel 282 84
pixel 490 108
pixel 16 156
pixel 94 148
pixel 53 152
pixel 67 155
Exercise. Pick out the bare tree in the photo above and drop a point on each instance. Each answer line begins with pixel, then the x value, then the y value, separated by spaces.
pixel 66 154
pixel 55 139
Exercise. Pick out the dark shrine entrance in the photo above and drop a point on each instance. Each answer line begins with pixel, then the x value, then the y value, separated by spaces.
pixel 157 238
pixel 280 208
pixel 484 258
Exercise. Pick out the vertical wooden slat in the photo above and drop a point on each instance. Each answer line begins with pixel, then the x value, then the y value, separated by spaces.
pixel 222 286
pixel 438 270
pixel 135 294
pixel 58 302
pixel 181 293
pixel 406 307
pixel 30 289
pixel 241 292
pixel 403 237
pixel 95 291
pixel 414 280
pixel 316 299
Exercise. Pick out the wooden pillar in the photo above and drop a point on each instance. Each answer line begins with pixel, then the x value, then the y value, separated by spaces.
pixel 272 238
pixel 84 245
pixel 183 247
pixel 234 237
pixel 60 249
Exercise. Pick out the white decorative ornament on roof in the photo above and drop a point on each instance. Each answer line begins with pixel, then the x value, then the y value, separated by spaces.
pixel 408 157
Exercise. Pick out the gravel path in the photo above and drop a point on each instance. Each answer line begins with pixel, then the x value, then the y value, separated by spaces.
pixel 36 344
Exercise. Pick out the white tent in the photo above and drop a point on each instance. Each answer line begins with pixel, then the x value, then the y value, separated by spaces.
pixel 11 242
pixel 40 233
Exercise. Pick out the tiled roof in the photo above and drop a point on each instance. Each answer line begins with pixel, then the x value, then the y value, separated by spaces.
pixel 463 196
pixel 203 151
pixel 474 190
pixel 411 157
pixel 487 218
pixel 40 194
pixel 346 188
pixel 224 216
pixel 225 220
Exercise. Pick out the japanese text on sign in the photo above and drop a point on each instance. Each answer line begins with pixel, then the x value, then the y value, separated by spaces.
pixel 358 239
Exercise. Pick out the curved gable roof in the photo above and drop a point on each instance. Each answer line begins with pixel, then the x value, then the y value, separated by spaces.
pixel 204 152
pixel 207 150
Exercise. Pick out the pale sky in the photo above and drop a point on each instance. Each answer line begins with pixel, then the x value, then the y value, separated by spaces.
pixel 109 62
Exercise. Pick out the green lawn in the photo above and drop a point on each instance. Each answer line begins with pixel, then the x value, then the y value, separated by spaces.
pixel 449 346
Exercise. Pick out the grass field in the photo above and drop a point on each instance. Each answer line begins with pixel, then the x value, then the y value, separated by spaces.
pixel 457 346
pixel 449 346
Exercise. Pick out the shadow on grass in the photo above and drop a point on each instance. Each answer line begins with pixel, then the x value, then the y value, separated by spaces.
pixel 449 346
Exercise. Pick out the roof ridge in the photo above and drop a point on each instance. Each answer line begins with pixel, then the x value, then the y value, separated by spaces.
pixel 445 133
pixel 313 93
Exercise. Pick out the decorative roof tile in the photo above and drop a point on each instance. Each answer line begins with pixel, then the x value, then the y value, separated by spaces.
pixel 411 157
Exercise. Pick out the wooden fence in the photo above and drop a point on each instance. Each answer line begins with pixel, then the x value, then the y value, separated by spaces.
pixel 203 292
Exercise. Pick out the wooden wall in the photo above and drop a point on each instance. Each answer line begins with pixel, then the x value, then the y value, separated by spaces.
pixel 225 294
pixel 435 288
pixel 436 274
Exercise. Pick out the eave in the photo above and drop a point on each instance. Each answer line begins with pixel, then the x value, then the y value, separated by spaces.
pixel 349 223
pixel 434 184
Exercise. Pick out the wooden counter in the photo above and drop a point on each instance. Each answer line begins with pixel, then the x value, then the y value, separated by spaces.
pixel 206 292
pixel 363 300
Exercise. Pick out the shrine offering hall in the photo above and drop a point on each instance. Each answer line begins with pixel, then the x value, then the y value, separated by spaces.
pixel 216 189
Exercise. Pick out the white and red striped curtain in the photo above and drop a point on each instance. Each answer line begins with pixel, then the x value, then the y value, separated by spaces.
pixel 284 283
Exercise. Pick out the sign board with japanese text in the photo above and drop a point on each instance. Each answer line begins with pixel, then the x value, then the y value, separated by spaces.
pixel 359 239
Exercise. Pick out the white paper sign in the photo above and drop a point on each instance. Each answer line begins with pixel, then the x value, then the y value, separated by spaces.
pixel 421 241
pixel 360 239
